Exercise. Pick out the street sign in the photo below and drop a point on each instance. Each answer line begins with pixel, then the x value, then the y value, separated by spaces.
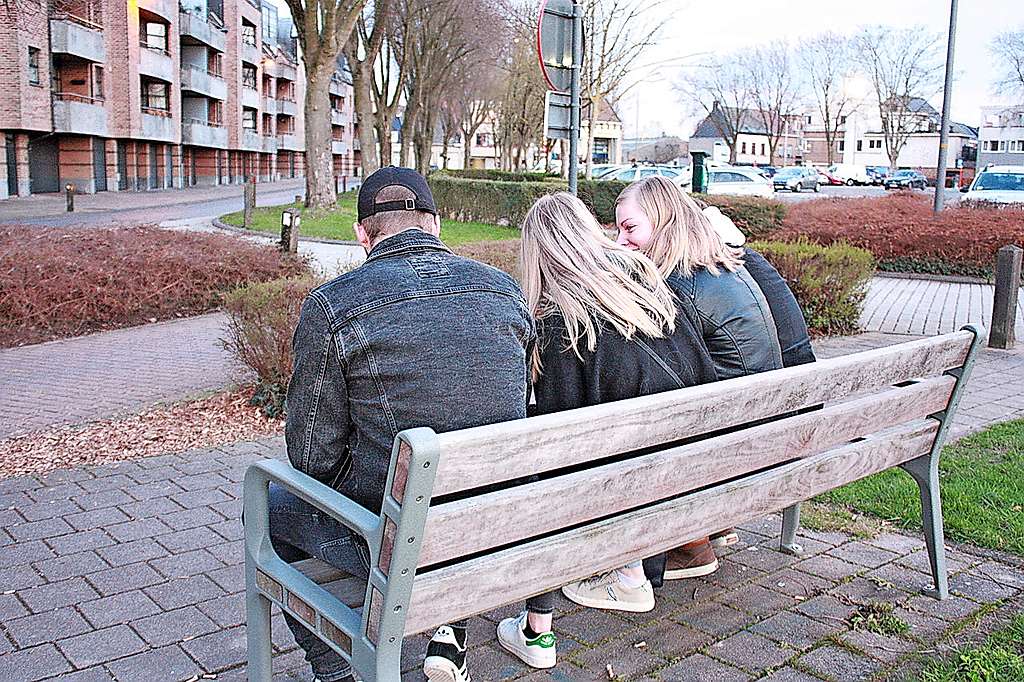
pixel 557 115
pixel 554 43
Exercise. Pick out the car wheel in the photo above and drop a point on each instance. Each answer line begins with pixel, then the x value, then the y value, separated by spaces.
pixel 849 183
pixel 817 187
pixel 796 188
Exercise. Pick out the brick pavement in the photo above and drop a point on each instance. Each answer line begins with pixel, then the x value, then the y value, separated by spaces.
pixel 134 571
pixel 91 377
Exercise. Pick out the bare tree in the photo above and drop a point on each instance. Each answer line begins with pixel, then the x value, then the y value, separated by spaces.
pixel 520 108
pixel 361 52
pixel 827 60
pixel 903 67
pixel 391 71
pixel 773 89
pixel 479 94
pixel 323 27
pixel 617 33
pixel 720 89
pixel 1008 49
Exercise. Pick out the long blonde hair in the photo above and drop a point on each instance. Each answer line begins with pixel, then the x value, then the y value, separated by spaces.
pixel 570 266
pixel 683 238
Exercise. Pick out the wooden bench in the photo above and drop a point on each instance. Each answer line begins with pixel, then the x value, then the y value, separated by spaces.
pixel 615 482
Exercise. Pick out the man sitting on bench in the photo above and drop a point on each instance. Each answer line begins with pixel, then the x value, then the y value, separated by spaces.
pixel 416 336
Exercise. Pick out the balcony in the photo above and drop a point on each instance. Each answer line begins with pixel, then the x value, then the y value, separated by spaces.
pixel 270 68
pixel 79 114
pixel 269 144
pixel 200 30
pixel 338 118
pixel 250 98
pixel 201 133
pixel 290 141
pixel 167 9
pixel 269 105
pixel 250 53
pixel 251 141
pixel 158 124
pixel 78 37
pixel 339 147
pixel 337 86
pixel 288 107
pixel 198 80
pixel 287 71
pixel 156 63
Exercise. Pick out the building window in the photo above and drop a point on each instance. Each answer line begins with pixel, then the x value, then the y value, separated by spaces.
pixel 154 35
pixel 1020 145
pixel 842 120
pixel 807 146
pixel 762 149
pixel 216 112
pixel 1002 145
pixel 154 95
pixel 249 119
pixel 249 76
pixel 33 65
pixel 874 144
pixel 484 140
pixel 97 81
pixel 248 33
pixel 842 145
pixel 810 120
pixel 860 145
pixel 743 148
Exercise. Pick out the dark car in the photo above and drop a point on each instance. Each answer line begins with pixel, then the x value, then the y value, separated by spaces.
pixel 795 179
pixel 768 171
pixel 879 174
pixel 906 179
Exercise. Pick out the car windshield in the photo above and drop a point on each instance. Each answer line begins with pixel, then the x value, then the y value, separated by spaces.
pixel 904 174
pixel 787 172
pixel 1000 181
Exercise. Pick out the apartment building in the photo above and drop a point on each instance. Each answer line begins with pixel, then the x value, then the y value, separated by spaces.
pixel 152 94
pixel 1001 136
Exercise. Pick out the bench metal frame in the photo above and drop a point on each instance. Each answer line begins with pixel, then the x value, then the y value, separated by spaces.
pixel 370 638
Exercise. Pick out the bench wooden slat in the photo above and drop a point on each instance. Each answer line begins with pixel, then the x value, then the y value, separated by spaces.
pixel 350 591
pixel 484 583
pixel 482 522
pixel 319 571
pixel 485 455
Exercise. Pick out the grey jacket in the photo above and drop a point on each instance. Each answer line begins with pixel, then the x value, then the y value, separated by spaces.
pixel 735 320
pixel 416 336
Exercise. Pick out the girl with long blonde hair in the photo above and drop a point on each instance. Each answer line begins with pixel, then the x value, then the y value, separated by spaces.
pixel 657 218
pixel 608 328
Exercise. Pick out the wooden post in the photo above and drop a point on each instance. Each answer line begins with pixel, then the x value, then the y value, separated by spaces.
pixel 69 196
pixel 249 197
pixel 290 221
pixel 298 200
pixel 1004 306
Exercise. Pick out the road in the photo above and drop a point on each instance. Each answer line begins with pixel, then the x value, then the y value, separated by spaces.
pixel 842 191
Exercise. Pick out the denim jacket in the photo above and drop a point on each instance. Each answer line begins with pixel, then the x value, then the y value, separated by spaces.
pixel 735 320
pixel 416 336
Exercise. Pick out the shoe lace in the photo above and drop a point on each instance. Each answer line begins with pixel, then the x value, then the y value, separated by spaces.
pixel 601 579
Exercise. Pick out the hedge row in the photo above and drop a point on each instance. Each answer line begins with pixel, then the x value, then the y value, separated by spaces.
pixel 500 175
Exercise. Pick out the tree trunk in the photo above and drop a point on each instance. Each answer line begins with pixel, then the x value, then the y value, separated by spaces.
pixel 591 122
pixel 321 193
pixel 563 155
pixel 409 121
pixel 384 136
pixel 363 100
pixel 467 148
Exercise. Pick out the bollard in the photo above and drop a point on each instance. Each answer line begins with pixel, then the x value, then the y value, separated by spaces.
pixel 344 184
pixel 1004 304
pixel 69 191
pixel 298 200
pixel 249 197
pixel 291 218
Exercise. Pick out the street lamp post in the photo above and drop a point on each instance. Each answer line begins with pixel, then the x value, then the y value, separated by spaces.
pixel 947 95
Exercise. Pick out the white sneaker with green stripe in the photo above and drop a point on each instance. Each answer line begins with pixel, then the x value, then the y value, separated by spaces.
pixel 537 652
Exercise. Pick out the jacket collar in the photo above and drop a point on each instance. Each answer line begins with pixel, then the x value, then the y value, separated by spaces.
pixel 412 239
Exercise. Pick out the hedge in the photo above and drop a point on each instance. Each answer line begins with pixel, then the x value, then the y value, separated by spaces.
pixel 757 217
pixel 500 175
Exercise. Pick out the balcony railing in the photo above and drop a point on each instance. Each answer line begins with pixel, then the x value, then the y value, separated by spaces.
pixel 155 48
pixel 197 27
pixel 78 37
pixel 75 97
pixel 91 22
pixel 80 114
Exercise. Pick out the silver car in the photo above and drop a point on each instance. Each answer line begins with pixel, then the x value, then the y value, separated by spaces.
pixel 796 178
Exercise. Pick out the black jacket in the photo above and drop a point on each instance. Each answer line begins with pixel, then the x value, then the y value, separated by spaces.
pixel 618 368
pixel 789 319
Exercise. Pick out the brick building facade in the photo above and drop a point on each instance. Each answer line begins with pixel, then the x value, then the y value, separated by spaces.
pixel 151 94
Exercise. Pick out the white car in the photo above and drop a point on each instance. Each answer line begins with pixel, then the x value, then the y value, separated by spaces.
pixel 998 185
pixel 850 174
pixel 676 175
pixel 739 181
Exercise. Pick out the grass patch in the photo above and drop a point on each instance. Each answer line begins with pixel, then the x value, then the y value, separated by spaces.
pixel 337 224
pixel 1000 658
pixel 826 518
pixel 879 619
pixel 982 479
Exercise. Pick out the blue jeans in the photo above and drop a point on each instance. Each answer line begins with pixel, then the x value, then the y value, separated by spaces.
pixel 299 531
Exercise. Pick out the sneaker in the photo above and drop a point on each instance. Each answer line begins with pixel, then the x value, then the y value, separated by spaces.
pixel 692 560
pixel 606 592
pixel 446 660
pixel 724 538
pixel 538 652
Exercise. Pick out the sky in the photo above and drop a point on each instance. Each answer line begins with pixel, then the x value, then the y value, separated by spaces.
pixel 723 26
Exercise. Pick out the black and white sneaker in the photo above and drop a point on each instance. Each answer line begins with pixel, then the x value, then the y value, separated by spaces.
pixel 446 659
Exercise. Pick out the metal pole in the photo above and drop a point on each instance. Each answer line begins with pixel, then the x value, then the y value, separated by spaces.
pixel 574 94
pixel 947 94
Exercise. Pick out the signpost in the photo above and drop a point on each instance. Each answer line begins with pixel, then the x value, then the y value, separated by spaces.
pixel 560 50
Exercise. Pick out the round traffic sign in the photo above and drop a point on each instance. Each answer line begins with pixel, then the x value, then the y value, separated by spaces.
pixel 554 43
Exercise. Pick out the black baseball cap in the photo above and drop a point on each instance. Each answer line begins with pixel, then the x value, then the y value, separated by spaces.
pixel 391 176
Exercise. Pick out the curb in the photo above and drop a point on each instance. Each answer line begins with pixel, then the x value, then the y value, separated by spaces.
pixel 953 279
pixel 219 224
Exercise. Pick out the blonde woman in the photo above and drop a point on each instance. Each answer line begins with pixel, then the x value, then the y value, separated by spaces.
pixel 658 219
pixel 608 329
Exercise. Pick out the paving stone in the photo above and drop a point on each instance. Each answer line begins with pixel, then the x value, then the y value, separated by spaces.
pixel 788 674
pixel 24 553
pixel 715 618
pixel 769 526
pixel 61 491
pixel 1007 576
pixel 19 577
pixel 751 652
pixel 79 542
pixel 229 610
pixel 230 529
pixel 671 640
pixel 107 498
pixel 45 627
pixel 95 674
pixel 18 484
pixel 827 537
pixel 58 476
pixel 173 626
pixel 919 562
pixel 829 567
pixel 758 600
pixel 690 591
pixel 826 608
pixel 591 626
pixel 831 662
pixel 27 665
pixel 118 608
pixel 100 646
pixel 10 608
pixel 925 627
pixel 902 577
pixel 884 648
pixel 167 663
pixel 895 542
pixel 762 558
pixel 155 507
pixel 191 518
pixel 796 584
pixel 186 564
pixel 980 589
pixel 137 530
pixel 154 474
pixel 795 629
pixel 229 510
pixel 181 541
pixel 132 552
pixel 96 485
pixel 55 595
pixel 231 578
pixel 155 490
pixel 203 481
pixel 953 608
pixel 39 511
pixel 626 661
pixel 731 574
pixel 123 578
pixel 96 518
pixel 863 554
pixel 218 650
pixel 70 566
pixel 184 592
pixel 487 663
pixel 701 668
pixel 40 530
pixel 864 591
pixel 809 546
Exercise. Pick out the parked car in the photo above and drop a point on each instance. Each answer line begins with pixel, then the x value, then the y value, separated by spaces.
pixel 768 171
pixel 878 174
pixel 999 185
pixel 632 173
pixel 824 178
pixel 742 181
pixel 906 179
pixel 796 178
pixel 850 173
pixel 601 169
